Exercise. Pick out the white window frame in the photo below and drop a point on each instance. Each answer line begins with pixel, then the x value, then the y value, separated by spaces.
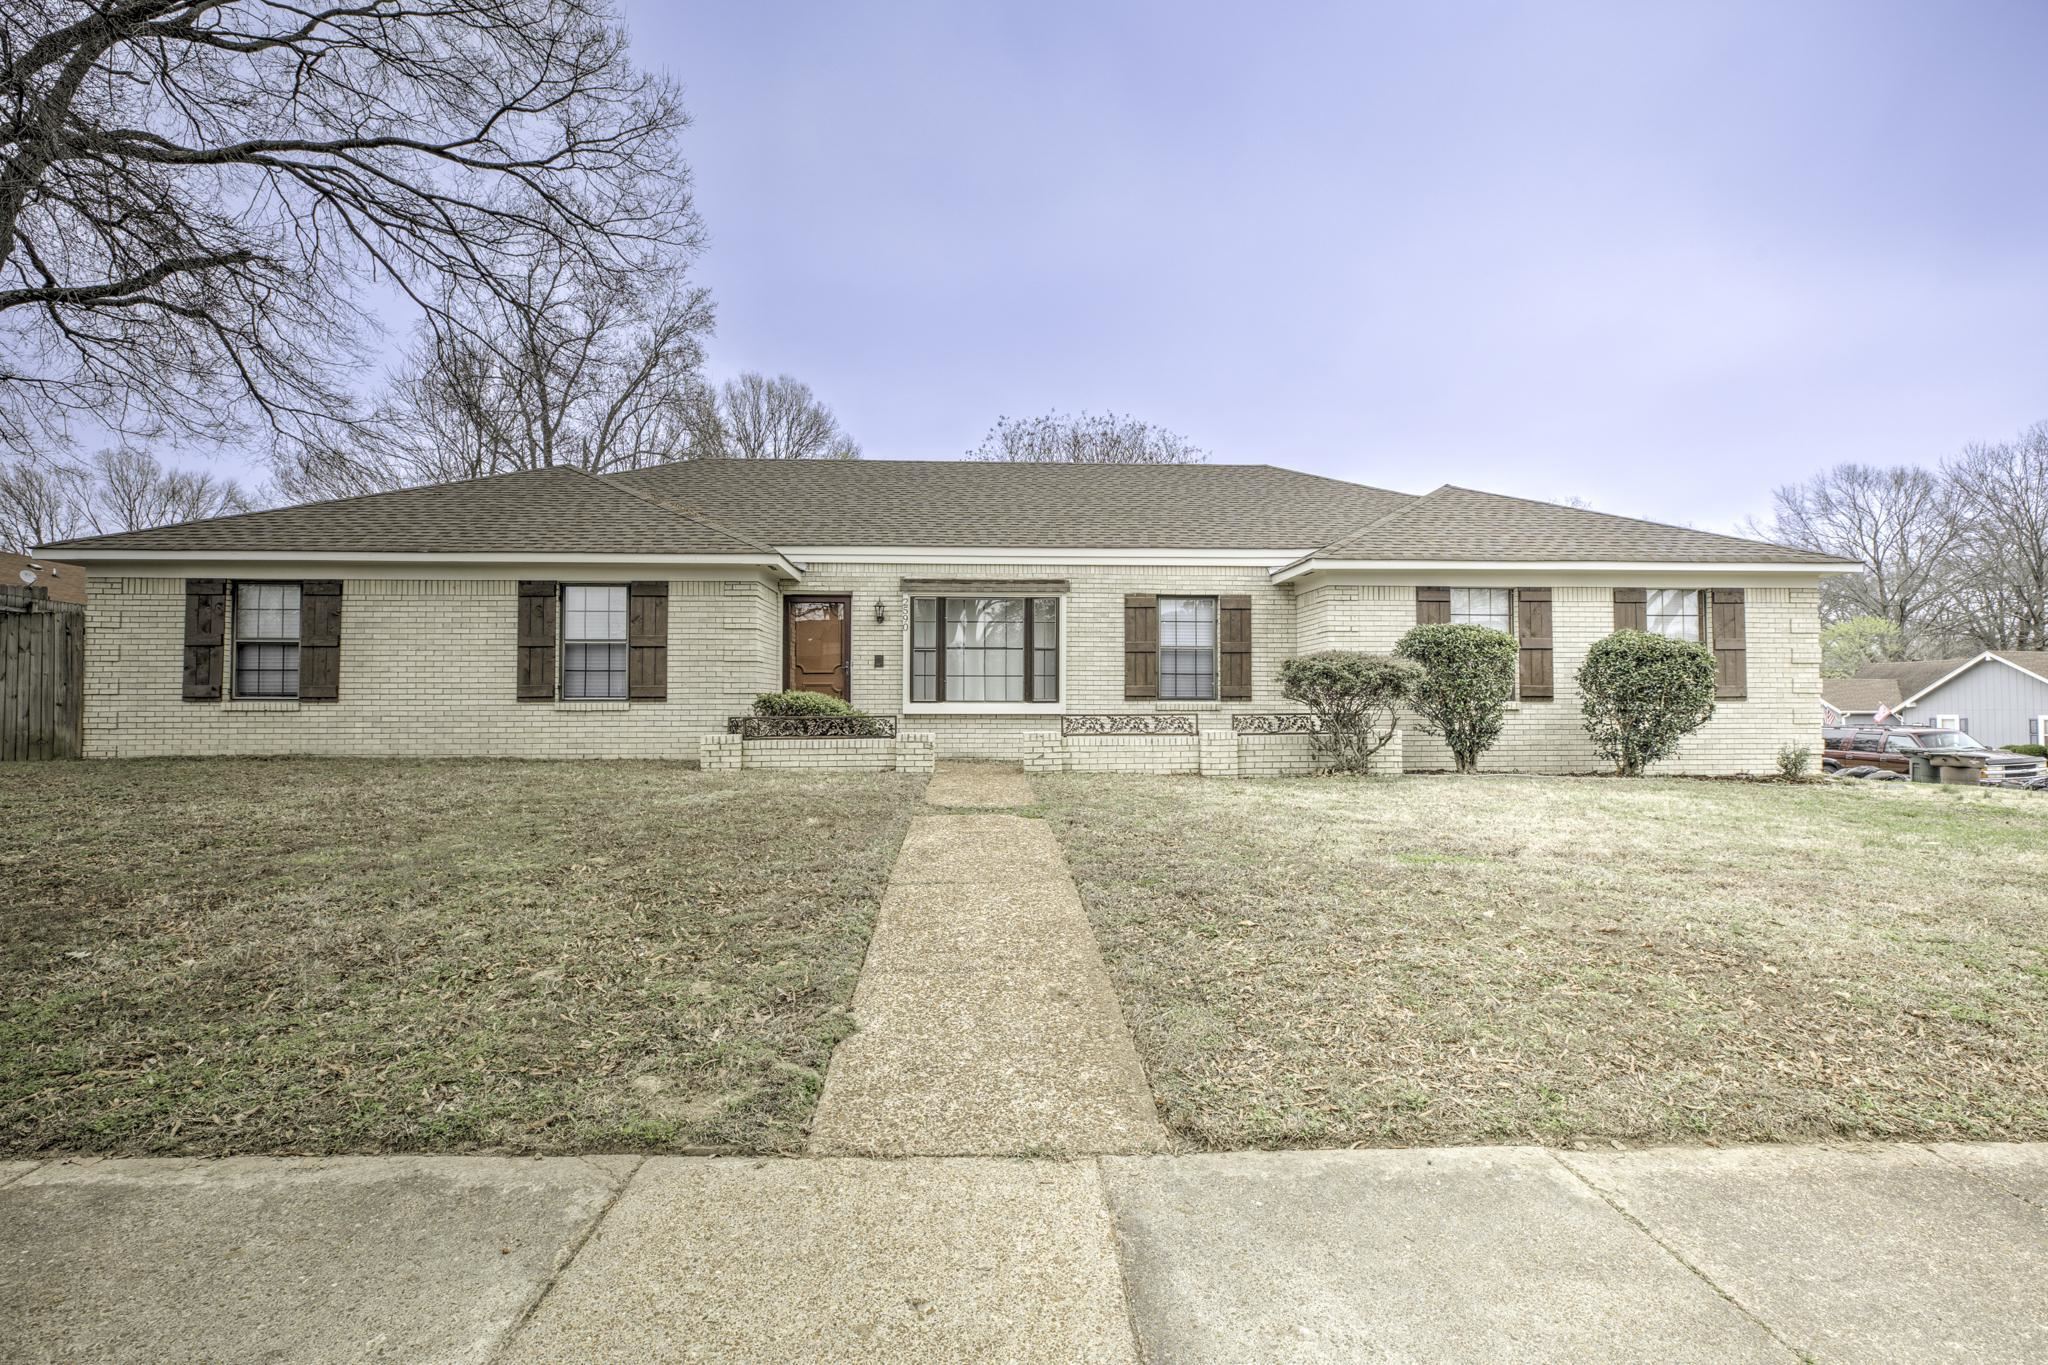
pixel 236 639
pixel 1507 595
pixel 1215 644
pixel 2040 730
pixel 1696 616
pixel 565 640
pixel 1948 723
pixel 985 708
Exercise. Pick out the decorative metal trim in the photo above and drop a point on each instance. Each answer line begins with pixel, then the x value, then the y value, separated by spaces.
pixel 1169 723
pixel 811 727
pixel 1275 723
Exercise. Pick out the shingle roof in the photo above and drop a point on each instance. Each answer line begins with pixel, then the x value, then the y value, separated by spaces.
pixel 1859 694
pixel 966 503
pixel 65 582
pixel 1463 524
pixel 1915 676
pixel 541 511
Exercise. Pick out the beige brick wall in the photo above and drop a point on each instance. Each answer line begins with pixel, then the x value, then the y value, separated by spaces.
pixel 1782 708
pixel 427 670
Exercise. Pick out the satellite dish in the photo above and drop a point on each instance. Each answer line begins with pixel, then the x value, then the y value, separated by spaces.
pixel 28 575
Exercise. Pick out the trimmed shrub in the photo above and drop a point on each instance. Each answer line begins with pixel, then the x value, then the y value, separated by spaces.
pixel 1467 680
pixel 1354 697
pixel 1793 763
pixel 1643 694
pixel 801 704
pixel 2031 750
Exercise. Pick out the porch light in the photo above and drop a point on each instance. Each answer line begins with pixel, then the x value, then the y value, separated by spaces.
pixel 881 612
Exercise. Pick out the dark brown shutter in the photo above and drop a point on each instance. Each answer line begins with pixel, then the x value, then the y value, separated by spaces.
pixel 647 641
pixel 1532 634
pixel 537 604
pixel 1432 606
pixel 1234 647
pixel 320 640
pixel 1731 643
pixel 206 633
pixel 1631 609
pixel 1141 646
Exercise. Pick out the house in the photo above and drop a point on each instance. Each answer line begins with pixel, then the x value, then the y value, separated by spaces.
pixel 986 606
pixel 1856 701
pixel 64 582
pixel 1998 697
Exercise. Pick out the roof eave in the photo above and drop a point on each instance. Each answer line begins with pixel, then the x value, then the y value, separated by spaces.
pixel 1317 564
pixel 88 555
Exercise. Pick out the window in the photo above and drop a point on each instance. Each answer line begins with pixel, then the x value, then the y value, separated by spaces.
pixel 594 642
pixel 984 649
pixel 1674 613
pixel 1187 649
pixel 1482 607
pixel 1949 723
pixel 2037 730
pixel 266 639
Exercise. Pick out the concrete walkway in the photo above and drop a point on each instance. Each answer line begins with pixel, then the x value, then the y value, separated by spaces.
pixel 987 1023
pixel 1895 1253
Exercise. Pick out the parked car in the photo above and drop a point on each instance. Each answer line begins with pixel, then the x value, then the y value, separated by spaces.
pixel 1891 748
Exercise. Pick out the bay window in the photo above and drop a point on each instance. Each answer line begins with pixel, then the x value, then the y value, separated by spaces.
pixel 995 650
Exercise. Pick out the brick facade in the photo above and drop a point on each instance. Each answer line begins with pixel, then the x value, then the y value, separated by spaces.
pixel 428 669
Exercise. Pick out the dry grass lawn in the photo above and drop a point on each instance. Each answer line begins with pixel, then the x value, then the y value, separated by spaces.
pixel 206 956
pixel 1442 960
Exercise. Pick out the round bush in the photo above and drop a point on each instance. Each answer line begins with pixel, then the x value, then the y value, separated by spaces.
pixel 1468 678
pixel 1354 698
pixel 1643 694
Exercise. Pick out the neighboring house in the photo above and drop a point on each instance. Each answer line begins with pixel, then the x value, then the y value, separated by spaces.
pixel 554 613
pixel 1998 697
pixel 64 582
pixel 1856 701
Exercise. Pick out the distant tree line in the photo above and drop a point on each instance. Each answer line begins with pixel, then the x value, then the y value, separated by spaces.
pixel 1955 557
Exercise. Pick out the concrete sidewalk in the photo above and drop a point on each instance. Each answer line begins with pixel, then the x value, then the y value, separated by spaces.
pixel 1895 1253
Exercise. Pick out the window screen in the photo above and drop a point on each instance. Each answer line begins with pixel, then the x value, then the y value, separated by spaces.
pixel 266 639
pixel 1187 648
pixel 594 641
pixel 1481 607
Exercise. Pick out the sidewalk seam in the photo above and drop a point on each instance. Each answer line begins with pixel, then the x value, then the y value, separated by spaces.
pixel 1673 1252
pixel 1123 1274
pixel 22 1175
pixel 575 1249
pixel 1979 1176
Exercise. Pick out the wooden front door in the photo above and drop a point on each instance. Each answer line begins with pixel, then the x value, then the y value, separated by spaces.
pixel 818 645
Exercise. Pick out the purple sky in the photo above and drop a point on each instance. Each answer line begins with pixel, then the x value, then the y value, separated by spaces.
pixel 1659 262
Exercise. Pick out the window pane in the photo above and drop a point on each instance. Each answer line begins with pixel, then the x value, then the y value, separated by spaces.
pixel 267 611
pixel 984 642
pixel 1045 649
pixel 1674 613
pixel 266 670
pixel 1480 607
pixel 1187 648
pixel 594 611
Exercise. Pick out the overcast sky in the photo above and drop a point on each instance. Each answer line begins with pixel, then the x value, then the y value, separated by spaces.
pixel 1659 261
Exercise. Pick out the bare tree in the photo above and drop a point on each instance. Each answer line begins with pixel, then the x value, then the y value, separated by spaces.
pixel 200 200
pixel 753 417
pixel 117 490
pixel 589 369
pixel 1058 438
pixel 1998 593
pixel 1899 522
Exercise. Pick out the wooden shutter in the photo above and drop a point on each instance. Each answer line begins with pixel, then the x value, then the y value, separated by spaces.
pixel 1432 606
pixel 1234 647
pixel 320 640
pixel 1631 609
pixel 1731 643
pixel 1532 634
pixel 206 633
pixel 647 641
pixel 1141 646
pixel 538 601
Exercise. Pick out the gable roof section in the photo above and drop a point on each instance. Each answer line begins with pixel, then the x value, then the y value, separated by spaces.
pixel 1917 677
pixel 540 511
pixel 1859 695
pixel 1455 524
pixel 930 504
pixel 65 582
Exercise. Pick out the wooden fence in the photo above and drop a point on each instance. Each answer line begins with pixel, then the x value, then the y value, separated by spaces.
pixel 42 675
